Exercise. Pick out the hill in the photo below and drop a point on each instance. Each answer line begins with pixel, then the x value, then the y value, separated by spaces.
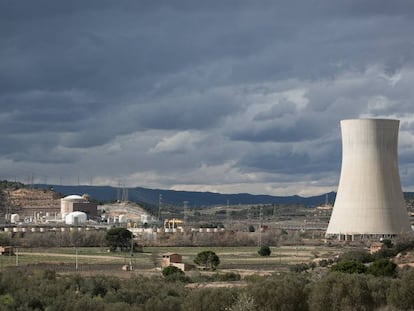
pixel 195 199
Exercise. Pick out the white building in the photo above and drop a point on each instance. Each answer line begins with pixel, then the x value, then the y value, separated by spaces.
pixel 76 218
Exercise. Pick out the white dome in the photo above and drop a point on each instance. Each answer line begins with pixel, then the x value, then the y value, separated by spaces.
pixel 75 218
pixel 74 197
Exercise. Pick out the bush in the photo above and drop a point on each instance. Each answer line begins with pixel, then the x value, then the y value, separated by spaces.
pixel 170 270
pixel 300 267
pixel 280 292
pixel 401 292
pixel 325 262
pixel 228 276
pixel 358 255
pixel 383 267
pixel 264 251
pixel 209 299
pixel 349 267
pixel 340 291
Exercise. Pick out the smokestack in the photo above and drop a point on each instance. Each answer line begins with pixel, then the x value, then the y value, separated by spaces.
pixel 369 202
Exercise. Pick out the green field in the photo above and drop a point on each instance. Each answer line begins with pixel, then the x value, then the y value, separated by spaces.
pixel 243 258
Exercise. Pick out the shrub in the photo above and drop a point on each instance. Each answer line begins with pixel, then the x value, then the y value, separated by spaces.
pixel 358 255
pixel 228 276
pixel 300 267
pixel 209 299
pixel 340 291
pixel 280 292
pixel 401 292
pixel 349 267
pixel 170 270
pixel 383 267
pixel 264 251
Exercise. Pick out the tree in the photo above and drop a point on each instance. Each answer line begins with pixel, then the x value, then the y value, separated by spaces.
pixel 208 259
pixel 119 238
pixel 264 251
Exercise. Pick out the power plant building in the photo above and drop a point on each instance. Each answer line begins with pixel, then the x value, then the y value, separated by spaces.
pixel 77 203
pixel 369 201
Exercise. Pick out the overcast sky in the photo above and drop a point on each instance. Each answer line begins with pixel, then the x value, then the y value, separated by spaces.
pixel 220 95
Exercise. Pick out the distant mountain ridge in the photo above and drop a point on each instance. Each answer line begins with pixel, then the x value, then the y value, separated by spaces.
pixel 194 199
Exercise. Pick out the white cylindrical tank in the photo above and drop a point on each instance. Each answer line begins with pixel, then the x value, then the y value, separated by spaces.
pixel 14 218
pixel 369 199
pixel 122 218
pixel 75 218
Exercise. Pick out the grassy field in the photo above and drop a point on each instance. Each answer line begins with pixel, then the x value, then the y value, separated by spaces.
pixel 245 258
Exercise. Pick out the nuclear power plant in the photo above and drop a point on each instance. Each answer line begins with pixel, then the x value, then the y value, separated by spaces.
pixel 369 201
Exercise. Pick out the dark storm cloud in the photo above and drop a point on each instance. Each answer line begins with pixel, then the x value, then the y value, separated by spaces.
pixel 298 129
pixel 206 83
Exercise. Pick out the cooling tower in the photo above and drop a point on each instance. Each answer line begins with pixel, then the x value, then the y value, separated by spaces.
pixel 369 202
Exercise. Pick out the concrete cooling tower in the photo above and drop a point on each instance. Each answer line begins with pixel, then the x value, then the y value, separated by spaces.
pixel 369 202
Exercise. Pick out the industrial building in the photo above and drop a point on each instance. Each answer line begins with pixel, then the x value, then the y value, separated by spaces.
pixel 369 202
pixel 77 203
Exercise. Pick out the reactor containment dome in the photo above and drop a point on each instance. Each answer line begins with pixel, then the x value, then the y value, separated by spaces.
pixel 369 202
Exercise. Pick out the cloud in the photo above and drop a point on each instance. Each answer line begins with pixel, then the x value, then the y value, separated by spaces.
pixel 238 96
pixel 181 142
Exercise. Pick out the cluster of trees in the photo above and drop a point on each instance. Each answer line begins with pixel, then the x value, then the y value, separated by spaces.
pixel 119 239
pixel 380 267
pixel 45 290
pixel 238 237
pixel 377 264
pixel 115 238
pixel 13 185
pixel 55 239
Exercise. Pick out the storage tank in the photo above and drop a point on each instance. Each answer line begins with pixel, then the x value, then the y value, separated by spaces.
pixel 75 218
pixel 369 202
pixel 14 218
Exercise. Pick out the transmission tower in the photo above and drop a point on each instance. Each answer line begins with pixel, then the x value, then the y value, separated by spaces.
pixel 185 213
pixel 159 206
pixel 228 214
pixel 260 225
